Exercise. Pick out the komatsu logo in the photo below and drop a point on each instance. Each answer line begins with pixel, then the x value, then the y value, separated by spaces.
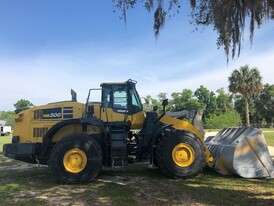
pixel 53 113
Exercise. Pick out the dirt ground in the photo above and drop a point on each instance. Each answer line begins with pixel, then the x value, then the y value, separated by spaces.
pixel 25 184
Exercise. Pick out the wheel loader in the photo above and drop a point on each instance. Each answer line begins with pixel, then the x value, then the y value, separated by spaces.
pixel 76 140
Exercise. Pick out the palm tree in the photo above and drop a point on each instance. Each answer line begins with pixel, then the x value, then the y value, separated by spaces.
pixel 246 81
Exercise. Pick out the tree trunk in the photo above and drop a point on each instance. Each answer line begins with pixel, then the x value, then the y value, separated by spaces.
pixel 247 111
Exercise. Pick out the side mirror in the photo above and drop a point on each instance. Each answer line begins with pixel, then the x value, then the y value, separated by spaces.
pixel 155 108
pixel 165 102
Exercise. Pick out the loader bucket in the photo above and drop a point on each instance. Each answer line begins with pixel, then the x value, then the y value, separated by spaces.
pixel 241 151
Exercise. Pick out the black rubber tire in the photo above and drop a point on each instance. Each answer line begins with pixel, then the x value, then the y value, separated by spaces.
pixel 92 150
pixel 164 154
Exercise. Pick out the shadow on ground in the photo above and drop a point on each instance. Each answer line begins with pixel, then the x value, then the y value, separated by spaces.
pixel 135 185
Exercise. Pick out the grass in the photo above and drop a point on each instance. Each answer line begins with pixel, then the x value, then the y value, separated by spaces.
pixel 268 129
pixel 269 137
pixel 135 185
pixel 4 140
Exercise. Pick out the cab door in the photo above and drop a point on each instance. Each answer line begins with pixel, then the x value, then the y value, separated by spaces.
pixel 136 109
pixel 115 103
pixel 121 102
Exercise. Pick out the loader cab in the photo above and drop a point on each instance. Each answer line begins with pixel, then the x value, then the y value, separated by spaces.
pixel 120 102
pixel 115 97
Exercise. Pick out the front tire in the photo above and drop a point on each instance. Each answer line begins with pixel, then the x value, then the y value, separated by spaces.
pixel 180 154
pixel 75 159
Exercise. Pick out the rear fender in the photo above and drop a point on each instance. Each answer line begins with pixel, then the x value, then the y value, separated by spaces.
pixel 84 122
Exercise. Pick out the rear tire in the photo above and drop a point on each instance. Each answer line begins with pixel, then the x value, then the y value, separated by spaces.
pixel 180 154
pixel 75 159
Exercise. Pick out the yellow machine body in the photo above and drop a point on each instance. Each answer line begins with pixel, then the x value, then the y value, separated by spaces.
pixel 76 139
pixel 186 126
pixel 32 124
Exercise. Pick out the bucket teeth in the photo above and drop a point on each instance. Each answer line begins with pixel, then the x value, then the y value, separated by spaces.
pixel 241 151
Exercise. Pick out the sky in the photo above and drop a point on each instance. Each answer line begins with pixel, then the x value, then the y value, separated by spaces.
pixel 49 47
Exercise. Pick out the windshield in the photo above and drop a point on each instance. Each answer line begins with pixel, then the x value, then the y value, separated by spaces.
pixel 120 97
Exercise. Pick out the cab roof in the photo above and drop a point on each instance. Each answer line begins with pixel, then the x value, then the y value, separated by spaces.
pixel 130 81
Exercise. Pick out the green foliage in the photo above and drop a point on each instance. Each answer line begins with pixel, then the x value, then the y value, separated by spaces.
pixel 255 115
pixel 265 103
pixel 261 109
pixel 150 103
pixel 207 99
pixel 184 100
pixel 212 107
pixel 224 102
pixel 230 119
pixel 247 82
pixel 162 96
pixel 22 105
pixel 8 116
pixel 203 95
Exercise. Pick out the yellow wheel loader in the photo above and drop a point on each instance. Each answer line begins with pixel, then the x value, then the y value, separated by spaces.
pixel 77 139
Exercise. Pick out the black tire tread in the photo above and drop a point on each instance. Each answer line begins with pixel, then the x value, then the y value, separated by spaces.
pixel 57 150
pixel 160 151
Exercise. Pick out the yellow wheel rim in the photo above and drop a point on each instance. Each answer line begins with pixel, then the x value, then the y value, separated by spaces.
pixel 75 160
pixel 183 155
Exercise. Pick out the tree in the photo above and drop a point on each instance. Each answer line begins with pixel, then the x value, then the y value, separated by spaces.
pixel 265 104
pixel 151 102
pixel 22 105
pixel 207 99
pixel 246 81
pixel 211 108
pixel 161 96
pixel 203 95
pixel 224 102
pixel 184 101
pixel 8 116
pixel 227 17
pixel 229 119
pixel 254 115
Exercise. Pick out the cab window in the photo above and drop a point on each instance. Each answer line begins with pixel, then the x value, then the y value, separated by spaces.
pixel 106 95
pixel 135 101
pixel 120 97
